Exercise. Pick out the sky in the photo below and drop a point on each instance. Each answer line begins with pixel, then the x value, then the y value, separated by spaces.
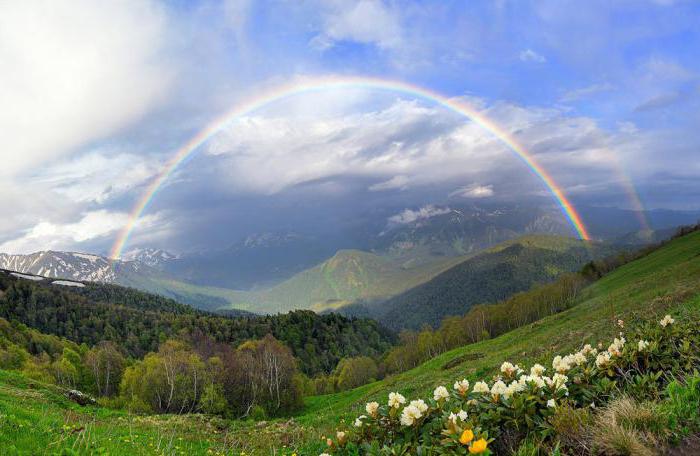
pixel 97 96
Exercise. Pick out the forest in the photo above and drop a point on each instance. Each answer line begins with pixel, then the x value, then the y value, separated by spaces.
pixel 147 353
pixel 140 322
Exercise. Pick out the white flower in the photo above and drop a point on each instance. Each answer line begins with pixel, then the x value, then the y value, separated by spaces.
pixel 324 454
pixel 603 359
pixel 562 365
pixel 621 323
pixel 396 400
pixel 551 403
pixel 579 358
pixel 509 369
pixel 481 387
pixel 615 348
pixel 358 421
pixel 587 349
pixel 371 408
pixel 513 387
pixel 409 415
pixel 499 388
pixel 462 415
pixel 667 320
pixel 462 387
pixel 441 393
pixel 340 435
pixel 536 380
pixel 420 405
pixel 537 370
pixel 559 381
pixel 642 345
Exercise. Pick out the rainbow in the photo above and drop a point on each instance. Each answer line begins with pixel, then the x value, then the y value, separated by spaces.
pixel 334 83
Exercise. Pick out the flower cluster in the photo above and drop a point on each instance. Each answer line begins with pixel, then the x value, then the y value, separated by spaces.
pixel 462 419
pixel 667 320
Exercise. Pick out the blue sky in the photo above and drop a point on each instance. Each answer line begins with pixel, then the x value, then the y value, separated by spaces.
pixel 95 96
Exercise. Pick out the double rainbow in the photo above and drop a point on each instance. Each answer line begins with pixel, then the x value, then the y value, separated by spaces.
pixel 334 83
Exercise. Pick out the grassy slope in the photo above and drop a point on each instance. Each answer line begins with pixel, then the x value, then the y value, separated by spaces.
pixel 667 280
pixel 489 276
pixel 37 419
pixel 347 276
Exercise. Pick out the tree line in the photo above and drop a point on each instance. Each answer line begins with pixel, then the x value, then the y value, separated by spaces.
pixel 259 377
pixel 140 322
pixel 490 320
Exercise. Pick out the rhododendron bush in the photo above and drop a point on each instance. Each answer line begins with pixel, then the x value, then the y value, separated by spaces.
pixel 495 415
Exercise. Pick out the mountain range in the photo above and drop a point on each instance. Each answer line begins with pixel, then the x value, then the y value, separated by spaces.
pixel 392 267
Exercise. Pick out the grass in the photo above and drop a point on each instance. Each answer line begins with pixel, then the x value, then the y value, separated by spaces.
pixel 39 418
pixel 664 281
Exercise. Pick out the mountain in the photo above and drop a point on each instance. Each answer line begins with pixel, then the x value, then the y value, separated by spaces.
pixel 258 261
pixel 347 276
pixel 155 258
pixel 487 277
pixel 138 322
pixel 466 229
pixel 643 291
pixel 72 265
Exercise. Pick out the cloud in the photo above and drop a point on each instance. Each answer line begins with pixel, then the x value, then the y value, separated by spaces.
pixel 528 55
pixel 407 145
pixel 409 215
pixel 97 176
pixel 366 22
pixel 396 182
pixel 473 191
pixel 50 235
pixel 584 92
pixel 660 101
pixel 75 72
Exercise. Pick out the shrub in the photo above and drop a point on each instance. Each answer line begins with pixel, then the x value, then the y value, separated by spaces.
pixel 542 405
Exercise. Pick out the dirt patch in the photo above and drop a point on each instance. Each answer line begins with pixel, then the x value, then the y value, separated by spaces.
pixel 460 359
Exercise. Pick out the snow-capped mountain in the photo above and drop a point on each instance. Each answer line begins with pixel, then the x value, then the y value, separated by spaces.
pixel 69 265
pixel 154 258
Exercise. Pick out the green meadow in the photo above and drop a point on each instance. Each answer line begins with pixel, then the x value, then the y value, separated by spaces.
pixel 36 418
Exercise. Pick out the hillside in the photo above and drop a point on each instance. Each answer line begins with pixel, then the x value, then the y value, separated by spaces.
pixel 138 322
pixel 347 276
pixel 666 281
pixel 491 276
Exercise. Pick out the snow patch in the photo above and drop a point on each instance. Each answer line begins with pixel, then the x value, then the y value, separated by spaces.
pixel 84 256
pixel 26 276
pixel 68 283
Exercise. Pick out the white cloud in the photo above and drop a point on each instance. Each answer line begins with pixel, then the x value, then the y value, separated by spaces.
pixel 47 235
pixel 408 145
pixel 528 55
pixel 396 182
pixel 584 92
pixel 97 176
pixel 659 101
pixel 409 215
pixel 74 72
pixel 365 21
pixel 473 191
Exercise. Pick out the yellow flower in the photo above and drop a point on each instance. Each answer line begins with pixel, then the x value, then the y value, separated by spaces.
pixel 478 447
pixel 466 437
